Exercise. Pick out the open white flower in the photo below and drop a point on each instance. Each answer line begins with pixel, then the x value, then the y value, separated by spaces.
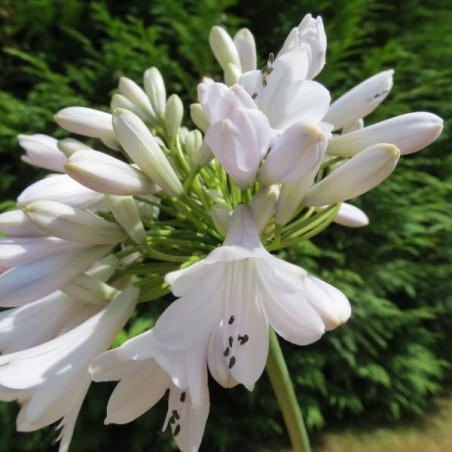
pixel 51 379
pixel 246 288
pixel 148 371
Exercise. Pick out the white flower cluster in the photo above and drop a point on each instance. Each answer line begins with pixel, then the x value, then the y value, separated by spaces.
pixel 162 208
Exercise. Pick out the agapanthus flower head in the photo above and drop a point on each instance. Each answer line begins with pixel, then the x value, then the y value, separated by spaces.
pixel 149 207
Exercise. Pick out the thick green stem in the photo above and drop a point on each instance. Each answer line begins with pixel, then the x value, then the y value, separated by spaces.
pixel 283 388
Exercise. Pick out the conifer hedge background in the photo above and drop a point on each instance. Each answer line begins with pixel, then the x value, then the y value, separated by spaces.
pixel 394 353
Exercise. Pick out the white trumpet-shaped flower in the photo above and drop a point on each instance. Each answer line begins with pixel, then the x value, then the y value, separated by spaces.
pixel 51 379
pixel 246 288
pixel 147 371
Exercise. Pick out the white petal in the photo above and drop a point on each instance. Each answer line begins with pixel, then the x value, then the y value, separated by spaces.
pixel 240 143
pixel 16 223
pixel 360 101
pixel 218 363
pixel 36 279
pixel 191 318
pixel 19 250
pixel 410 133
pixel 291 316
pixel 358 175
pixel 35 323
pixel 329 302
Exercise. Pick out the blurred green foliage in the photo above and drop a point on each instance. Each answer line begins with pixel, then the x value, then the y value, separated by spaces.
pixel 395 351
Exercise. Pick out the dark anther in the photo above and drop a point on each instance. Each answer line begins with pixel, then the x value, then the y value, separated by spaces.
pixel 253 96
pixel 176 414
pixel 172 420
pixel 226 352
pixel 231 320
pixel 243 339
pixel 230 341
pixel 231 362
pixel 176 430
pixel 182 396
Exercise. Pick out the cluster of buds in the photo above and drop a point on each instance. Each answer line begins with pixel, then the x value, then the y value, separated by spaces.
pixel 158 208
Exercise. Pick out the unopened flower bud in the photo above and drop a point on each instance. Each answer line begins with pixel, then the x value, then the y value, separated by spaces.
pixel 360 101
pixel 410 133
pixel 204 156
pixel 358 175
pixel 90 290
pixel 73 224
pixel 193 142
pixel 121 101
pixel 246 48
pixel 349 216
pixel 223 47
pixel 69 146
pixel 231 74
pixel 106 174
pixel 141 146
pixel 221 215
pixel 137 96
pixel 86 121
pixel 198 116
pixel 42 151
pixel 126 213
pixel 263 206
pixel 174 113
pixel 155 89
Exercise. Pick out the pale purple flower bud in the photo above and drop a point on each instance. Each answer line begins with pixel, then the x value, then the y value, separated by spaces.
pixel 295 154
